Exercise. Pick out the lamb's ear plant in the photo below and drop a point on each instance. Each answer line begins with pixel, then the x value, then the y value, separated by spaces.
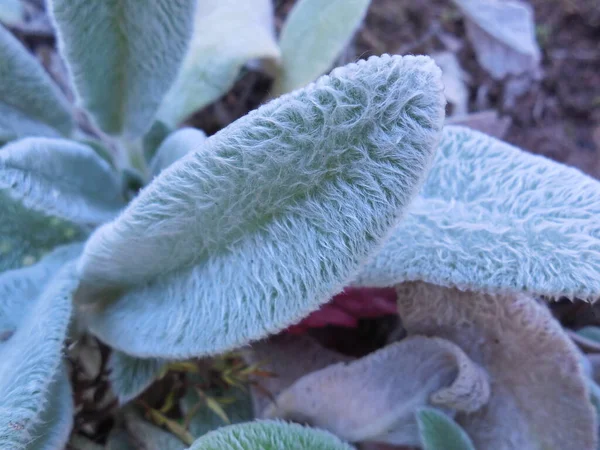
pixel 237 236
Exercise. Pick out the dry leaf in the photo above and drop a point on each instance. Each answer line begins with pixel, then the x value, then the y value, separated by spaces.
pixel 454 79
pixel 376 397
pixel 502 33
pixel 539 394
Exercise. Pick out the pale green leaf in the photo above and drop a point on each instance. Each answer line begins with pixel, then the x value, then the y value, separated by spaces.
pixel 60 178
pixel 269 435
pixel 123 56
pixel 155 136
pixel 20 288
pixel 270 218
pixel 361 401
pixel 11 12
pixel 30 103
pixel 130 376
pixel 491 217
pixel 52 192
pixel 440 432
pixel 314 34
pixel 174 147
pixel 56 420
pixel 591 333
pixel 539 396
pixel 227 34
pixel 31 363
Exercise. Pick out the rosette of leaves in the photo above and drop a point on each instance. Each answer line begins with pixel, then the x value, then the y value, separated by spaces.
pixel 240 235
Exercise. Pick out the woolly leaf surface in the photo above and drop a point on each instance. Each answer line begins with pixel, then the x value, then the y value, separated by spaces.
pixel 30 103
pixel 268 435
pixel 491 217
pixel 227 34
pixel 122 56
pixel 270 218
pixel 376 397
pixel 314 34
pixel 539 394
pixel 440 432
pixel 31 362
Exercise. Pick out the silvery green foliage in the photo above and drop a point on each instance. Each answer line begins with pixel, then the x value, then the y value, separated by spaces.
pixel 54 191
pixel 270 218
pixel 227 34
pixel 268 435
pixel 238 410
pixel 425 371
pixel 130 376
pixel 440 432
pixel 30 103
pixel 31 371
pixel 142 435
pixel 314 34
pixel 175 146
pixel 122 56
pixel 491 217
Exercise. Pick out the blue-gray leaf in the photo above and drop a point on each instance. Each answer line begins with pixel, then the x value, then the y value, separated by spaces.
pixel 270 218
pixel 494 218
pixel 269 435
pixel 30 103
pixel 52 191
pixel 31 364
pixel 123 56
pixel 175 146
pixel 440 432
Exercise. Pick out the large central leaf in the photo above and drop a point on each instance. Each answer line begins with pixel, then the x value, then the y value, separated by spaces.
pixel 271 217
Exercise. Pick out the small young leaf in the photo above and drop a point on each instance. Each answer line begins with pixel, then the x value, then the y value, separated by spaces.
pixel 203 419
pixel 122 56
pixel 315 32
pixel 30 103
pixel 361 401
pixel 155 136
pixel 270 218
pixel 60 179
pixel 539 396
pixel 440 432
pixel 227 34
pixel 130 376
pixel 493 218
pixel 266 434
pixel 174 147
pixel 31 361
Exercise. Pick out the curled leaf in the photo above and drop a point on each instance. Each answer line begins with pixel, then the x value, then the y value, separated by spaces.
pixel 175 146
pixel 130 376
pixel 30 103
pixel 313 35
pixel 122 56
pixel 268 434
pixel 31 365
pixel 502 33
pixel 271 218
pixel 539 397
pixel 440 432
pixel 287 358
pixel 493 218
pixel 376 397
pixel 227 34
